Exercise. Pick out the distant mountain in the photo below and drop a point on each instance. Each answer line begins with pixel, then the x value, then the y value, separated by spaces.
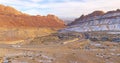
pixel 68 20
pixel 96 21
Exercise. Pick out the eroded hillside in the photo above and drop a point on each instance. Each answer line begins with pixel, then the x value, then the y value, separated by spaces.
pixel 97 21
pixel 15 25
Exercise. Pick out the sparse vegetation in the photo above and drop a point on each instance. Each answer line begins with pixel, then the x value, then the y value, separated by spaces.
pixel 35 39
pixel 103 36
pixel 55 38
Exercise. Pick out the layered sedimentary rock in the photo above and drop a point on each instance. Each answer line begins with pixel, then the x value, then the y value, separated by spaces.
pixel 9 17
pixel 98 26
pixel 15 25
pixel 97 21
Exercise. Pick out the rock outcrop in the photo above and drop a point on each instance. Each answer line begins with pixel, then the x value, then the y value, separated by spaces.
pixel 97 21
pixel 85 17
pixel 9 17
pixel 97 26
pixel 15 25
pixel 9 10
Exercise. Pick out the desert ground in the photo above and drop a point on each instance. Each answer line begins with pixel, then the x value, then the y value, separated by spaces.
pixel 44 38
pixel 72 51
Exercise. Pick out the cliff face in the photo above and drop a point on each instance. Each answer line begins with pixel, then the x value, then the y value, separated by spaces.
pixel 15 25
pixel 10 17
pixel 97 21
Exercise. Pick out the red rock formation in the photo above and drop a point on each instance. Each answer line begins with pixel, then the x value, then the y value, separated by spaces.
pixel 15 25
pixel 95 13
pixel 8 10
pixel 10 17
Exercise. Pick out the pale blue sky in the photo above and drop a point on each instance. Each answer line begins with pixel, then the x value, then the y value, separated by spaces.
pixel 62 8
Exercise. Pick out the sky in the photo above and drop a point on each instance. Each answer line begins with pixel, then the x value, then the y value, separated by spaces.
pixel 62 8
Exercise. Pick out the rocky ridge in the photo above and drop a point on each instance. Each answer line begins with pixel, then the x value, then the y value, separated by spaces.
pixel 96 21
pixel 10 17
pixel 15 25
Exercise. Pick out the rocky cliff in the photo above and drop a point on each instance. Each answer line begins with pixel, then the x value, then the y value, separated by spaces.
pixel 15 25
pixel 97 21
pixel 10 17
